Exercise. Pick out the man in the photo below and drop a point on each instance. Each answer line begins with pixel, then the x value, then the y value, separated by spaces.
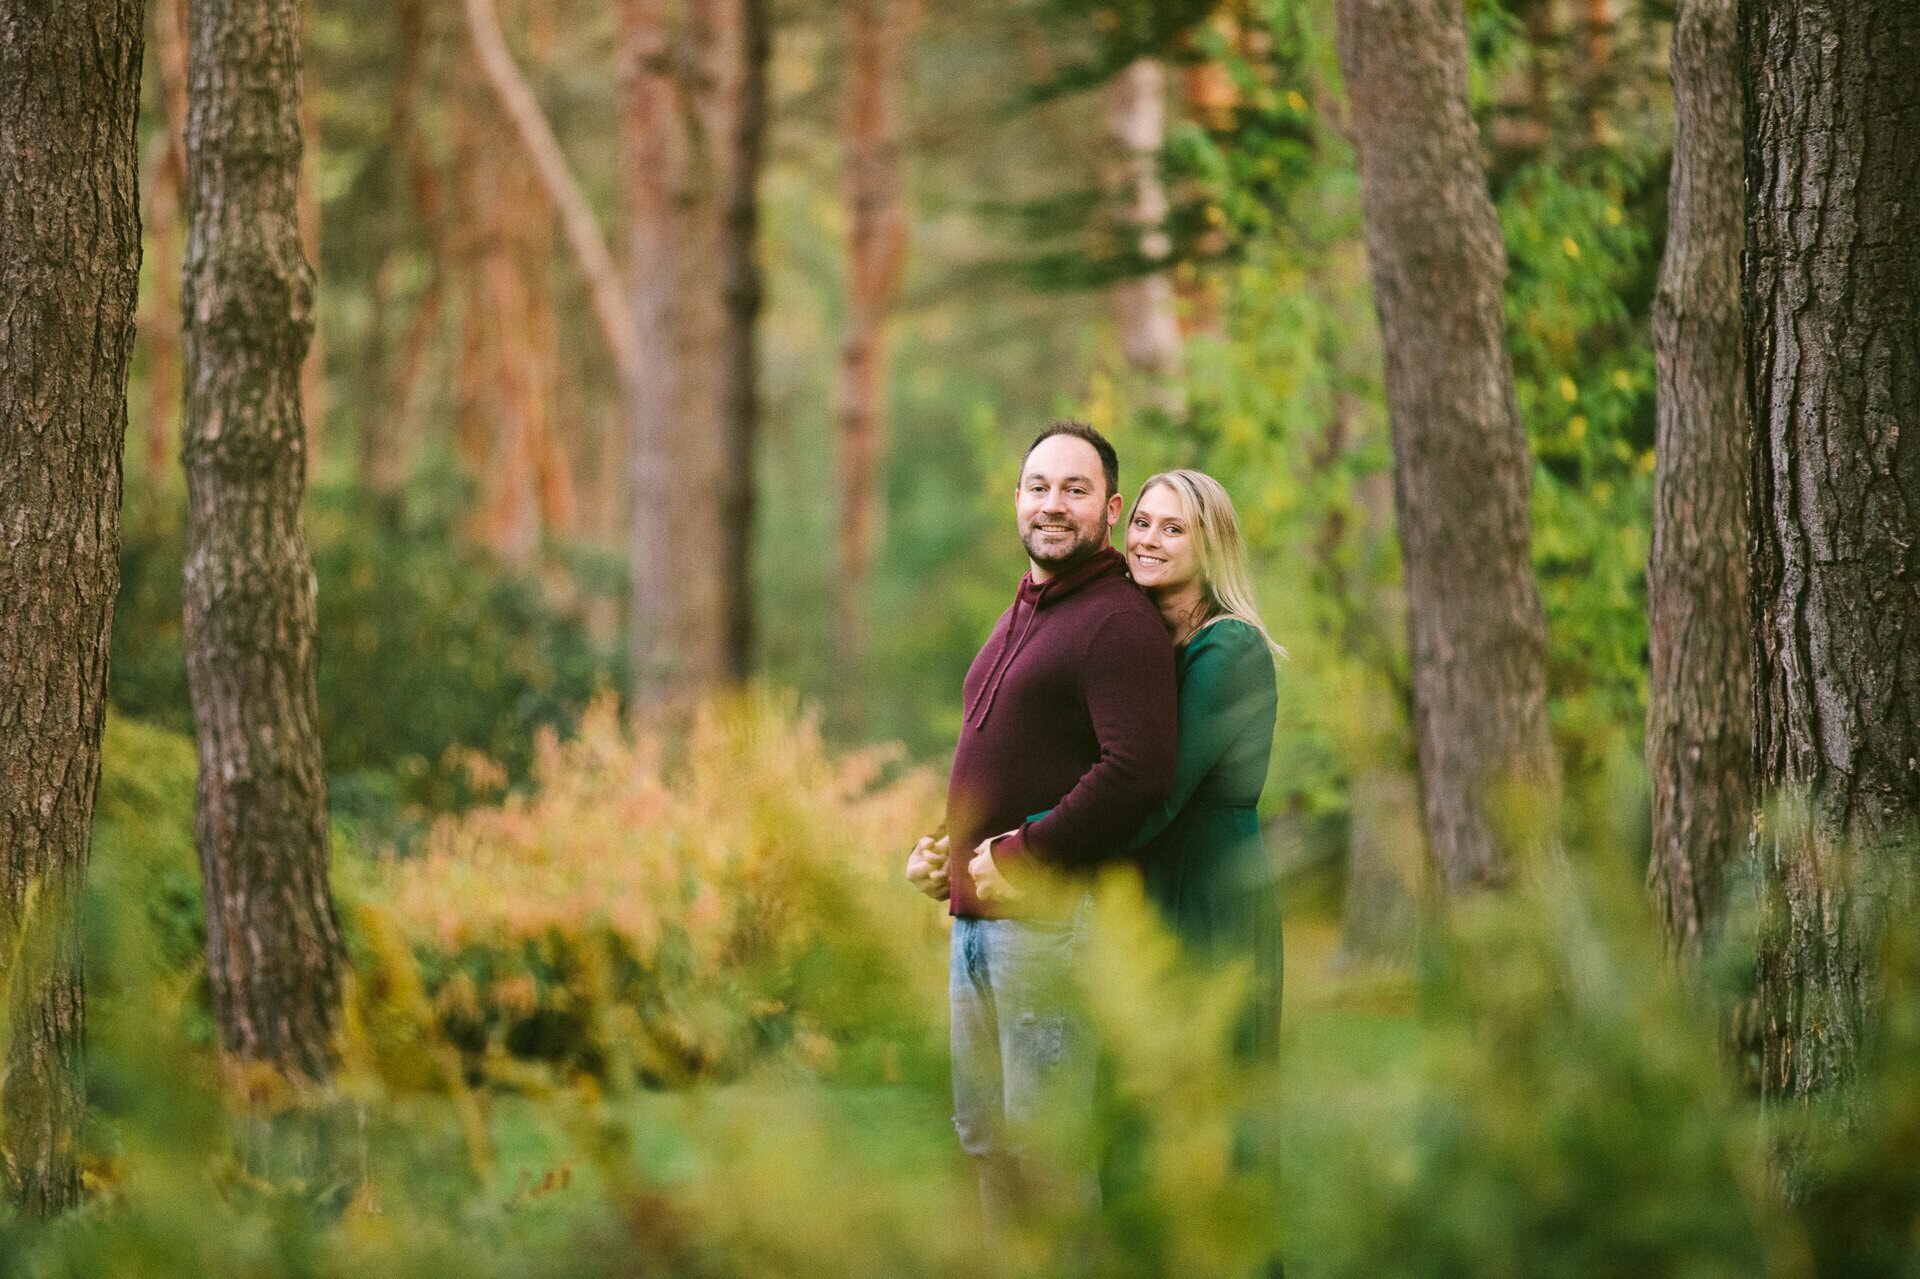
pixel 1069 711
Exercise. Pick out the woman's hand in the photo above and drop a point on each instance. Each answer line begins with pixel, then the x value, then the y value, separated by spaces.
pixel 988 883
pixel 927 867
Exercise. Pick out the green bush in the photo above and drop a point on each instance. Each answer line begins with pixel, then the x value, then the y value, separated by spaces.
pixel 429 652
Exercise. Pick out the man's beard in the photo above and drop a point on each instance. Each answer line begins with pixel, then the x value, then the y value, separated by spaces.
pixel 1086 541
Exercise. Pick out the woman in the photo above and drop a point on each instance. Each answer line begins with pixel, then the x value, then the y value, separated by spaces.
pixel 1205 864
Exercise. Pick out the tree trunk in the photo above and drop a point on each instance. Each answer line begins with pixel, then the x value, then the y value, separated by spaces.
pixel 694 117
pixel 1461 462
pixel 872 184
pixel 584 237
pixel 313 369
pixel 69 277
pixel 1699 711
pixel 386 435
pixel 159 325
pixel 274 954
pixel 1379 916
pixel 1386 843
pixel 1144 306
pixel 1832 303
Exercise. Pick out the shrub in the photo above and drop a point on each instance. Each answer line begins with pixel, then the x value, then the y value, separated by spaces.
pixel 680 919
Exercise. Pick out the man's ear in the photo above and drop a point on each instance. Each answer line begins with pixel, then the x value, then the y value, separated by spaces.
pixel 1114 507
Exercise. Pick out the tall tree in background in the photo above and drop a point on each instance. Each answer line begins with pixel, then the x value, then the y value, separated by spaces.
pixel 1144 304
pixel 69 275
pixel 695 119
pixel 1699 712
pixel 274 953
pixel 1832 298
pixel 396 368
pixel 683 331
pixel 873 183
pixel 163 185
pixel 1461 462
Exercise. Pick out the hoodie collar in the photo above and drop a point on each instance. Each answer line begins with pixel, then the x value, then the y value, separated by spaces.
pixel 1104 562
pixel 1032 597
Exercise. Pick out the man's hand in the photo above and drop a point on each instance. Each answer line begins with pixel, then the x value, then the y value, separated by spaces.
pixel 927 867
pixel 988 883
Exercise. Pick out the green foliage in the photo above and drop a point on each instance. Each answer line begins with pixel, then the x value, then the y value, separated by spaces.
pixel 630 918
pixel 429 652
pixel 1546 1096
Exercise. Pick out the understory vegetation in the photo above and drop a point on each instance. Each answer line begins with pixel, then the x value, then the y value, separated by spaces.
pixel 671 1012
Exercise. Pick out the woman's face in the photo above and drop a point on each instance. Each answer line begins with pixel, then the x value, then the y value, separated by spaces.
pixel 1160 548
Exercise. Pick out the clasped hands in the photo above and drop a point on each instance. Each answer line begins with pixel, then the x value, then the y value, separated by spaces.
pixel 927 871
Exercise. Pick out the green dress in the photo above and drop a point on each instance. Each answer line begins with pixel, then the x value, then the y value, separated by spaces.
pixel 1205 863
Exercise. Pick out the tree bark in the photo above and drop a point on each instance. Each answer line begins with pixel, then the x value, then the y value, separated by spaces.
pixel 872 184
pixel 694 117
pixel 69 281
pixel 1699 703
pixel 1461 463
pixel 386 435
pixel 274 954
pixel 159 323
pixel 1144 306
pixel 1831 289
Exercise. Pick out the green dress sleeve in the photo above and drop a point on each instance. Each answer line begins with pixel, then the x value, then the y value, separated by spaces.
pixel 1220 693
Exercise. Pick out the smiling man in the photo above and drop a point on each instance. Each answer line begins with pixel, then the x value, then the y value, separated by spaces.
pixel 1069 710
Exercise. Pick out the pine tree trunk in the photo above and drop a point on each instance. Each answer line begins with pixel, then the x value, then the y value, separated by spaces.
pixel 165 187
pixel 1144 306
pixel 1832 303
pixel 386 435
pixel 274 954
pixel 872 184
pixel 69 278
pixel 695 115
pixel 1461 462
pixel 1699 704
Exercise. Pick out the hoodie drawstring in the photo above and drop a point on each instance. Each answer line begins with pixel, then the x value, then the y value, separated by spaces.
pixel 1011 650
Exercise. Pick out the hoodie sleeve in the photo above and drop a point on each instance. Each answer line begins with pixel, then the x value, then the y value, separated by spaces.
pixel 1128 678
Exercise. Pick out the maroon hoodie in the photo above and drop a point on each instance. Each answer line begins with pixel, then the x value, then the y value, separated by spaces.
pixel 1070 707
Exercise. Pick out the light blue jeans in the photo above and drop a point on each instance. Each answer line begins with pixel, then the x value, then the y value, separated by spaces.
pixel 1023 1066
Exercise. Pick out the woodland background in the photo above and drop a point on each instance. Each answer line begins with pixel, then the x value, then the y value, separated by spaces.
pixel 655 513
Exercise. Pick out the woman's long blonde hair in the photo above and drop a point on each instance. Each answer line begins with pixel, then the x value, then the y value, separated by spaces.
pixel 1219 554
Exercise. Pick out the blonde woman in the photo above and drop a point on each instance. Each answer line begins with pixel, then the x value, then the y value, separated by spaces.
pixel 1205 864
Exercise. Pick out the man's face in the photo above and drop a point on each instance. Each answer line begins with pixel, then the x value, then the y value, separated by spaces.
pixel 1063 508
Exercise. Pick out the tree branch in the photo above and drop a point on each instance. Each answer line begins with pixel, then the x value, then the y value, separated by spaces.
pixel 583 231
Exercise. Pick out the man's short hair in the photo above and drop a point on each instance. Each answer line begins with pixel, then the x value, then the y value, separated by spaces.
pixel 1109 460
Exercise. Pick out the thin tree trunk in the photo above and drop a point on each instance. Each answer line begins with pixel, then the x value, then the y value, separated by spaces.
pixel 69 282
pixel 166 189
pixel 1832 302
pixel 313 369
pixel 872 183
pixel 386 435
pixel 584 236
pixel 744 48
pixel 1699 704
pixel 274 954
pixel 1144 306
pixel 694 116
pixel 1461 462
pixel 1386 842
